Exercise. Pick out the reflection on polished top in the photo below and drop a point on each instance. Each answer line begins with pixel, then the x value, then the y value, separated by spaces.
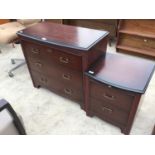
pixel 125 72
pixel 64 35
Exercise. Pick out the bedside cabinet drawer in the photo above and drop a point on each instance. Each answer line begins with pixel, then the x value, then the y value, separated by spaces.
pixel 107 112
pixel 117 97
pixel 143 43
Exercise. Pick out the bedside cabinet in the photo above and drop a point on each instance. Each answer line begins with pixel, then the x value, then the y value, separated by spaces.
pixel 115 85
pixel 57 56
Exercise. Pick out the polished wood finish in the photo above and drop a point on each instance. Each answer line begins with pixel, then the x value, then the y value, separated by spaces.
pixel 109 25
pixel 116 83
pixel 63 35
pixel 57 56
pixel 137 37
pixel 125 72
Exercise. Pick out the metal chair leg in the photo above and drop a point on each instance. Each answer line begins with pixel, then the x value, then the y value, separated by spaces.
pixel 13 61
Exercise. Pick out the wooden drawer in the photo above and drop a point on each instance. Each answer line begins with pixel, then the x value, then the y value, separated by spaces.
pixel 59 87
pixel 143 43
pixel 58 72
pixel 116 97
pixel 32 51
pixel 49 55
pixel 107 112
pixel 62 58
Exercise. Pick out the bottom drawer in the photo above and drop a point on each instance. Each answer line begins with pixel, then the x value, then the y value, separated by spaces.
pixel 57 86
pixel 106 111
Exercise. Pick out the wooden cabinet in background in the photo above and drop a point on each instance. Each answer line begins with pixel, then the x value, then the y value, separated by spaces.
pixel 136 36
pixel 59 21
pixel 3 21
pixel 109 25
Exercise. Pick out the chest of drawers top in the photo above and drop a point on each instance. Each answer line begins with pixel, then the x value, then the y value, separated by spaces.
pixel 125 72
pixel 64 35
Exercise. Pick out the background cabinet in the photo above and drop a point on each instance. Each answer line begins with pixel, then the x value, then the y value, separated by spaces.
pixel 137 37
pixel 109 25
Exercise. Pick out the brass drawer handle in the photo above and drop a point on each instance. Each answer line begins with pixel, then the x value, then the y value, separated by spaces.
pixel 68 91
pixel 64 60
pixel 38 64
pixel 43 80
pixel 109 97
pixel 145 40
pixel 107 109
pixel 66 77
pixel 35 50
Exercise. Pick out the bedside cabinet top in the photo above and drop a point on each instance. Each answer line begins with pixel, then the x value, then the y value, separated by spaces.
pixel 64 35
pixel 125 72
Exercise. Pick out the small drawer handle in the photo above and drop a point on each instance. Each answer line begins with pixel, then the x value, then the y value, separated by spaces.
pixel 145 40
pixel 64 60
pixel 66 77
pixel 109 97
pixel 68 91
pixel 107 109
pixel 38 64
pixel 35 50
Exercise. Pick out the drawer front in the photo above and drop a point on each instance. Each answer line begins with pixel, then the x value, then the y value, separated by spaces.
pixel 58 72
pixel 32 51
pixel 105 111
pixel 137 42
pixel 59 87
pixel 50 55
pixel 62 58
pixel 117 97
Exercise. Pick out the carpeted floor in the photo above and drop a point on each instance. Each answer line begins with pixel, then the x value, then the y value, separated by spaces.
pixel 44 112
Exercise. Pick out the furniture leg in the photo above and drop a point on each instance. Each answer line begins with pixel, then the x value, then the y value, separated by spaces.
pixel 13 61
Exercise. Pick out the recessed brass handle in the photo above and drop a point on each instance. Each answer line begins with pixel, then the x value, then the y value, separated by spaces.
pixel 66 76
pixel 109 97
pixel 107 109
pixel 64 60
pixel 68 91
pixel 35 50
pixel 38 64
pixel 145 40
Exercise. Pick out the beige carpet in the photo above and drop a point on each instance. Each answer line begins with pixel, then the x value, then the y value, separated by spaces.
pixel 44 112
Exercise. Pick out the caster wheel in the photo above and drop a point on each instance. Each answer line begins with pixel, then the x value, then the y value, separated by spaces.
pixel 11 75
pixel 12 61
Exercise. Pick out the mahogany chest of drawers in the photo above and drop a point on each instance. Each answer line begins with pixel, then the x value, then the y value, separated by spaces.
pixel 115 86
pixel 57 56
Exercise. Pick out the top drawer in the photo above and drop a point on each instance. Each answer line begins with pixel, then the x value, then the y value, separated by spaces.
pixel 50 55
